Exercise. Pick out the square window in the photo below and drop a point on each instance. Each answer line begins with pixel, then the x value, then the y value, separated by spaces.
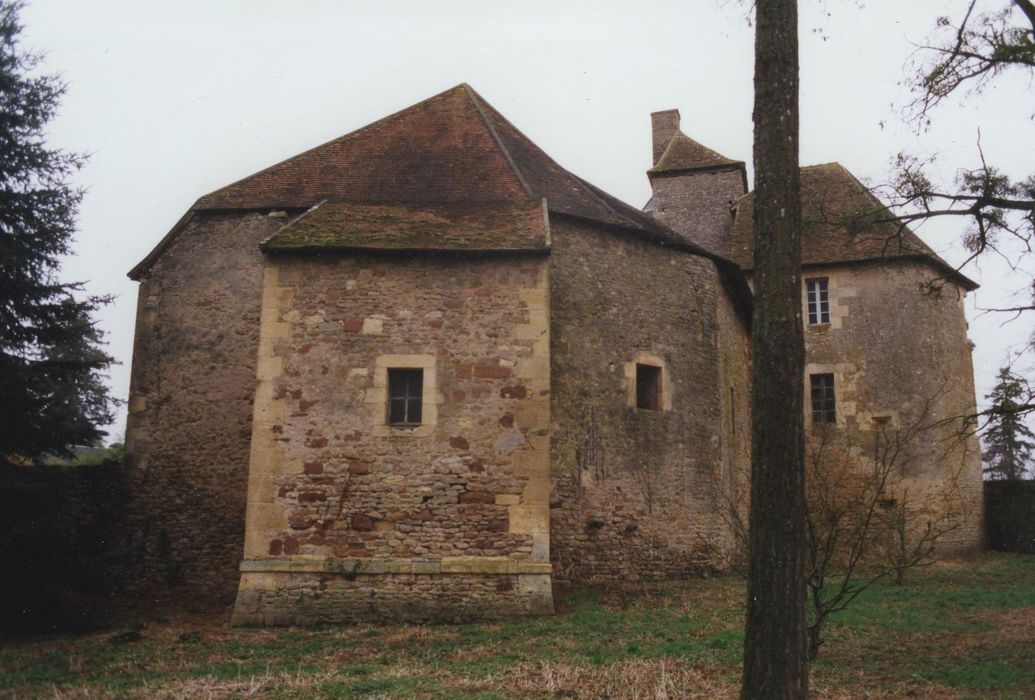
pixel 817 295
pixel 405 396
pixel 648 387
pixel 821 387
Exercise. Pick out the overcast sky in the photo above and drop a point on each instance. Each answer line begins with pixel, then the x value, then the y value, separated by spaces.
pixel 174 100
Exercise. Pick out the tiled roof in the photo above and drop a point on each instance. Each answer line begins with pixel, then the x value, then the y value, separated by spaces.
pixel 683 153
pixel 452 147
pixel 842 222
pixel 438 150
pixel 468 226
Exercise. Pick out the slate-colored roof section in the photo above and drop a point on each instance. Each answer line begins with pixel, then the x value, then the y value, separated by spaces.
pixel 843 222
pixel 468 226
pixel 683 153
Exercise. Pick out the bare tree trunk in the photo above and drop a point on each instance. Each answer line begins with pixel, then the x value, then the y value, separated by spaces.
pixel 775 663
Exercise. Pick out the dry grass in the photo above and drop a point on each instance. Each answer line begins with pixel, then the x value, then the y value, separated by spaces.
pixel 960 630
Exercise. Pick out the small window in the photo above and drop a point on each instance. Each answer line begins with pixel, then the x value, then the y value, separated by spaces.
pixel 822 394
pixel 818 297
pixel 405 394
pixel 648 387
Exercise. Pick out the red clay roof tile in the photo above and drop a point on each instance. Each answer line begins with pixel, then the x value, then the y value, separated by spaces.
pixel 842 222
pixel 453 147
pixel 438 150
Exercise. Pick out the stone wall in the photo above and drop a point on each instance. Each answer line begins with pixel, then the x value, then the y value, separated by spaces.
pixel 189 425
pixel 331 598
pixel 633 489
pixel 734 484
pixel 445 520
pixel 696 205
pixel 901 362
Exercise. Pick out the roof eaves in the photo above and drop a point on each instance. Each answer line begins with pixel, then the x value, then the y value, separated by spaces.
pixel 144 265
pixel 926 253
pixel 654 173
pixel 661 235
pixel 407 251
pixel 716 167
pixel 948 271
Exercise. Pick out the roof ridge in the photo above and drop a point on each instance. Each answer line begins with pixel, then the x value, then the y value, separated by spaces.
pixel 451 146
pixel 336 139
pixel 292 222
pixel 680 140
pixel 477 102
pixel 576 180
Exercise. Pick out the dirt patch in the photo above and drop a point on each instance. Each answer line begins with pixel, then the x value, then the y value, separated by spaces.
pixel 1016 625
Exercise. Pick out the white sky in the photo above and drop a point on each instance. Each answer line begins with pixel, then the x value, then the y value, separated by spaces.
pixel 174 100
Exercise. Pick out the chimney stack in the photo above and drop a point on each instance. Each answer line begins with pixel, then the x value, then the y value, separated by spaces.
pixel 664 126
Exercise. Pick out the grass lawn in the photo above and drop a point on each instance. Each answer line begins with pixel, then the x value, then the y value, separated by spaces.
pixel 963 629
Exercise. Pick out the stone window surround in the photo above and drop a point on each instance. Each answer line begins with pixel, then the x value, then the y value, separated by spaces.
pixel 821 385
pixel 405 396
pixel 822 286
pixel 377 396
pixel 844 402
pixel 644 357
pixel 842 288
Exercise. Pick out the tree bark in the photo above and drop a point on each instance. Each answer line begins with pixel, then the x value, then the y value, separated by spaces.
pixel 775 664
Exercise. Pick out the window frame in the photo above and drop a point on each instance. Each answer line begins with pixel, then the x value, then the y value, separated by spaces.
pixel 406 385
pixel 650 385
pixel 666 389
pixel 817 301
pixel 822 385
pixel 376 396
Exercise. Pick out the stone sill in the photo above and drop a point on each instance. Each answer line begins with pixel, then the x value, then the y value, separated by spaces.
pixel 357 566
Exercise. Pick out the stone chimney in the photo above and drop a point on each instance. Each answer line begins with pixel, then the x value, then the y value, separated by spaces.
pixel 664 126
pixel 693 192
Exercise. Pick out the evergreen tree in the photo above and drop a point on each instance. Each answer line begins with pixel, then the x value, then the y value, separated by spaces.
pixel 1008 441
pixel 52 393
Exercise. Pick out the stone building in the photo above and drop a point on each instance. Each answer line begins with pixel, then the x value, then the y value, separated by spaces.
pixel 423 372
pixel 887 353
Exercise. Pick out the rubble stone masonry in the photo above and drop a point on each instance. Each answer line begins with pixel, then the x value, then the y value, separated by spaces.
pixel 350 518
pixel 902 364
pixel 190 405
pixel 696 205
pixel 633 489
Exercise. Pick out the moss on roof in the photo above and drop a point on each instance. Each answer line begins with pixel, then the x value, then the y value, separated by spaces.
pixel 472 226
pixel 453 147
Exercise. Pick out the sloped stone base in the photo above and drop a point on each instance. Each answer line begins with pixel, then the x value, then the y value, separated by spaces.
pixel 283 598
